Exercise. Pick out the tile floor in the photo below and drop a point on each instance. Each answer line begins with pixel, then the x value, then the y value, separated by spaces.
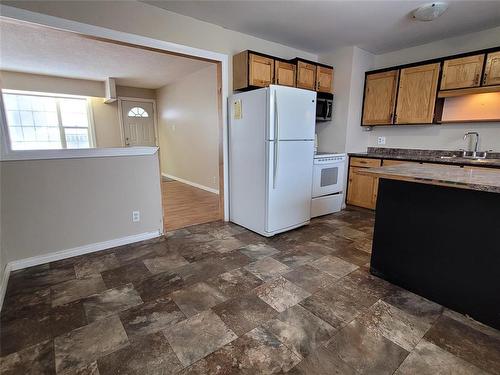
pixel 218 299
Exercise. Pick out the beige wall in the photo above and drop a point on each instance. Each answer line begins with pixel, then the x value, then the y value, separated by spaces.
pixel 143 19
pixel 56 85
pixel 345 132
pixel 135 92
pixel 106 121
pixel 188 128
pixel 52 205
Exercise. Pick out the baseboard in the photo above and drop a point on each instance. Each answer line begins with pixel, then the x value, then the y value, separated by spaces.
pixel 3 287
pixel 199 186
pixel 80 250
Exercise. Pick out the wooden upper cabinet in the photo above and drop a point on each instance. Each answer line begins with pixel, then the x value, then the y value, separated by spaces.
pixel 306 75
pixel 261 70
pixel 417 94
pixel 462 73
pixel 284 73
pixel 324 79
pixel 492 69
pixel 251 69
pixel 380 97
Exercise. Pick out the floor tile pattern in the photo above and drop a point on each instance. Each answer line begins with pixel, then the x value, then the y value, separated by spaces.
pixel 216 298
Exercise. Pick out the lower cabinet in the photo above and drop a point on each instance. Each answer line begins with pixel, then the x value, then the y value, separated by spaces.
pixel 362 190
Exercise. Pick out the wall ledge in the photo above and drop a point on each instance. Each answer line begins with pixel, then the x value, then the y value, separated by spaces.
pixel 77 153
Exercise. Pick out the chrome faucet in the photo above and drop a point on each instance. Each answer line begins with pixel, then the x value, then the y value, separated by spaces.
pixel 477 139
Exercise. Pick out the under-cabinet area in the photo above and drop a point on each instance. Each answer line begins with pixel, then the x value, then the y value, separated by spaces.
pixel 419 93
pixel 253 69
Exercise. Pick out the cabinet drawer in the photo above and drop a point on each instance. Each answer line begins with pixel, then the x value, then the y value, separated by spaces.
pixel 364 162
pixel 388 163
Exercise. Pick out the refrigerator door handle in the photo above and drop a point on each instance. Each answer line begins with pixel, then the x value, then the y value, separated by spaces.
pixel 276 140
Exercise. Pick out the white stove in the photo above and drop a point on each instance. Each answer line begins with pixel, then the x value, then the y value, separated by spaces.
pixel 328 182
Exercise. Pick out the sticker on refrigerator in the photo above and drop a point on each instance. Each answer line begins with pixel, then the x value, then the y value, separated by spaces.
pixel 237 109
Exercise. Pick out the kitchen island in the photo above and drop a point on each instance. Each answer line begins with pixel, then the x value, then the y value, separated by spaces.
pixel 437 233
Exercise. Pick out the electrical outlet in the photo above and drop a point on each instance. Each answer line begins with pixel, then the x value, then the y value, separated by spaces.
pixel 136 216
pixel 381 140
pixel 214 180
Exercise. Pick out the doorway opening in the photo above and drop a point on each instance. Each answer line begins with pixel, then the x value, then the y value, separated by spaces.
pixel 181 114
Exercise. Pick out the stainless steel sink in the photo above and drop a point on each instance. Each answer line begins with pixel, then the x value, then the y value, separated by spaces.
pixel 478 157
pixel 474 155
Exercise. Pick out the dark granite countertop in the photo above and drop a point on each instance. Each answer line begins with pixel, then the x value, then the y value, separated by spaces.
pixel 445 175
pixel 431 156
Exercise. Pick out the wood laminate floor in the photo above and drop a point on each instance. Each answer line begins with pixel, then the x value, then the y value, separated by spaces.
pixel 185 205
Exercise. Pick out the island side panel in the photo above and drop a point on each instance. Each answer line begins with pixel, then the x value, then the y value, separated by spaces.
pixel 442 243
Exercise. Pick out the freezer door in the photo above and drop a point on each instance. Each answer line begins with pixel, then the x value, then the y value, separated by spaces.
pixel 289 181
pixel 292 113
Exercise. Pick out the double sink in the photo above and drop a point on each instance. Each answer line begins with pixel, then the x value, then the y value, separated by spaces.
pixel 479 156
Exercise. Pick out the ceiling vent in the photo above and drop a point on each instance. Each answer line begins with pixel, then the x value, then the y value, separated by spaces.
pixel 430 12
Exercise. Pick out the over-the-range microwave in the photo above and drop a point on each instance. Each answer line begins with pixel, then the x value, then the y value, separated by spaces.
pixel 324 106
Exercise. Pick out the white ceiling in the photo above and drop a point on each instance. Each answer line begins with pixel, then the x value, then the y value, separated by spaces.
pixel 27 49
pixel 321 26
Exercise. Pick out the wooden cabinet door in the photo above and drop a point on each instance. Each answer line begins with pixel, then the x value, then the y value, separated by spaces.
pixel 462 72
pixel 380 97
pixel 492 70
pixel 324 79
pixel 284 73
pixel 261 70
pixel 417 94
pixel 306 75
pixel 362 190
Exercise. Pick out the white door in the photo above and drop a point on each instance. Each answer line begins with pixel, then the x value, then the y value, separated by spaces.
pixel 292 113
pixel 138 123
pixel 289 183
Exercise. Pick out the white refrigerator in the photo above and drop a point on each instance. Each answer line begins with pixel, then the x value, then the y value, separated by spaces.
pixel 271 150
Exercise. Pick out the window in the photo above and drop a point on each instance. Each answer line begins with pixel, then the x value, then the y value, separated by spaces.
pixel 40 122
pixel 137 112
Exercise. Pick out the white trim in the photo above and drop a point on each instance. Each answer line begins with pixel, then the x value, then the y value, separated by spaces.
pixel 3 287
pixel 68 253
pixel 92 30
pixel 199 186
pixel 76 153
pixel 80 250
pixel 120 117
